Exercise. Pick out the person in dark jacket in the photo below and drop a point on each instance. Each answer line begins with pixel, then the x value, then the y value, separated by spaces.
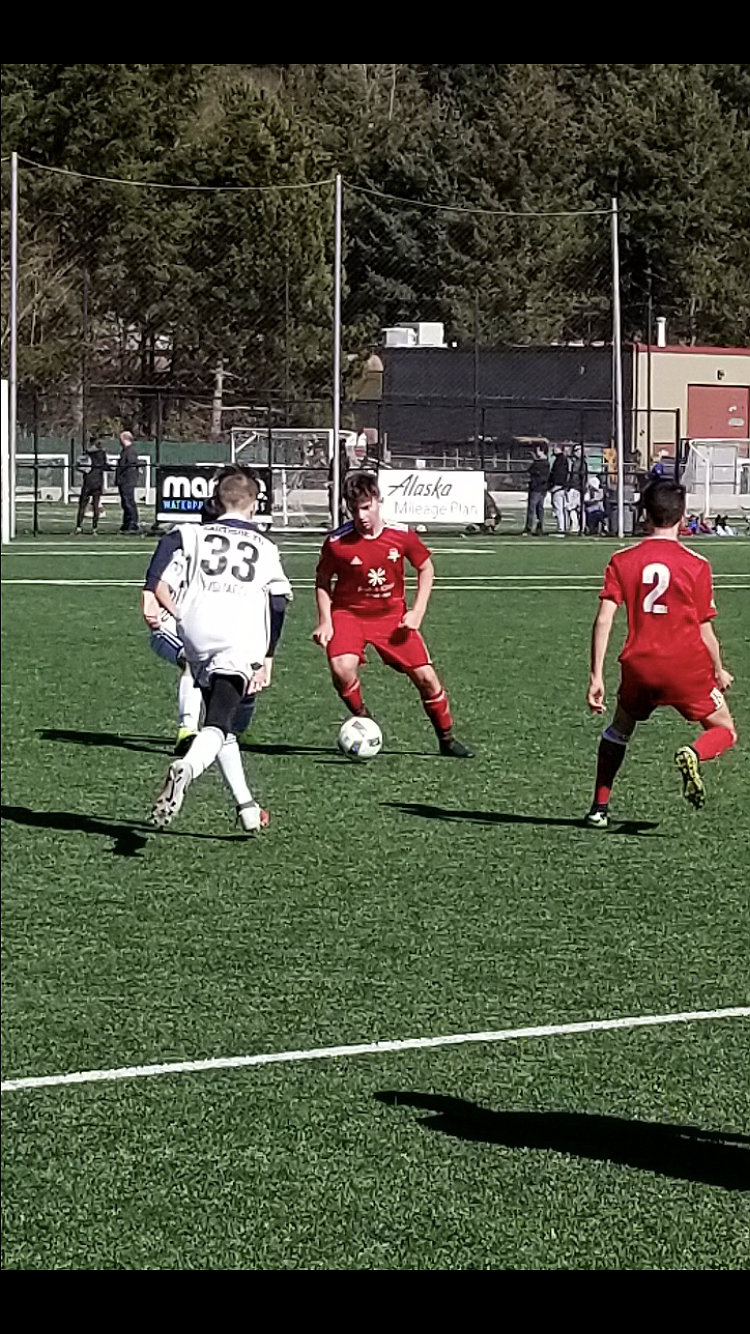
pixel 92 485
pixel 538 483
pixel 558 485
pixel 577 482
pixel 126 476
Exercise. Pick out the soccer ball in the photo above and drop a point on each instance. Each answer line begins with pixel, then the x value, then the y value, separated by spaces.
pixel 360 739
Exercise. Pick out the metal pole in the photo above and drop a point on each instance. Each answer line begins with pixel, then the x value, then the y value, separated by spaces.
pixel 84 363
pixel 617 356
pixel 36 463
pixel 13 373
pixel 287 345
pixel 336 471
pixel 476 372
pixel 649 367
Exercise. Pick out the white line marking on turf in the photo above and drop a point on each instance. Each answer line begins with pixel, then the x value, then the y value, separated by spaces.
pixel 440 586
pixel 368 1049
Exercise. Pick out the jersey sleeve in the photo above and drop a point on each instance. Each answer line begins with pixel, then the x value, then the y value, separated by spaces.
pixel 613 590
pixel 704 594
pixel 326 568
pixel 275 581
pixel 415 550
pixel 162 558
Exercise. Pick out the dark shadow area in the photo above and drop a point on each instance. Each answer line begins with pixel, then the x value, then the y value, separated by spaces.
pixel 510 817
pixel 129 835
pixel 161 745
pixel 282 748
pixel 152 745
pixel 686 1153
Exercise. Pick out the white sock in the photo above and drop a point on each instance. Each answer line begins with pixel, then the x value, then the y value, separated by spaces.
pixel 230 763
pixel 189 700
pixel 204 750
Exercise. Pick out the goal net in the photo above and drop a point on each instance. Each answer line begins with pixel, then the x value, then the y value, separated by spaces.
pixel 299 459
pixel 716 475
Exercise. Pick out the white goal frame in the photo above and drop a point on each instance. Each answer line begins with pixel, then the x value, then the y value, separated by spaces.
pixel 716 473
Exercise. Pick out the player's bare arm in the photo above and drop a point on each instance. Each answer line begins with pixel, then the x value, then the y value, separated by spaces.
pixel 708 635
pixel 412 619
pixel 323 632
pixel 596 696
pixel 163 595
pixel 150 609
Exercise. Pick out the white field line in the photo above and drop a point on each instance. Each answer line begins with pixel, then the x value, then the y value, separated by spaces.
pixel 512 586
pixel 42 546
pixel 368 1049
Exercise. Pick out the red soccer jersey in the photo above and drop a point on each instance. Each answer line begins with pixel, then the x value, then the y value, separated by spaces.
pixel 366 574
pixel 668 593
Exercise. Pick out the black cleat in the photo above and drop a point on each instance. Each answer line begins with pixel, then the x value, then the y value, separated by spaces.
pixel 455 749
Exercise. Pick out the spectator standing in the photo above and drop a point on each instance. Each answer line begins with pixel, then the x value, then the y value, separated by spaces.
pixel 126 476
pixel 577 479
pixel 92 484
pixel 558 484
pixel 538 484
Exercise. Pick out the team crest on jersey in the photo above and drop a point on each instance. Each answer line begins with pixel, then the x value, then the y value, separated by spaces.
pixel 355 561
pixel 394 553
pixel 376 577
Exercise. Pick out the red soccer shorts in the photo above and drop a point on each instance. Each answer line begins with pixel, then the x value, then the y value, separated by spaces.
pixel 402 649
pixel 649 685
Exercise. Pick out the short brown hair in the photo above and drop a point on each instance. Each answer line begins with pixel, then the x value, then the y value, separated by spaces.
pixel 236 487
pixel 664 502
pixel 360 486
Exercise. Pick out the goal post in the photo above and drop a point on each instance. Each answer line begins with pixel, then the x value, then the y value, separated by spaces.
pixel 716 474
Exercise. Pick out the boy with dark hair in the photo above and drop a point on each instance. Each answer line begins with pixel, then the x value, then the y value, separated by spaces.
pixel 360 600
pixel 671 655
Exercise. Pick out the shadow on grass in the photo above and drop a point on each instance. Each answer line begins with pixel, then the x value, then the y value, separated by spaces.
pixel 686 1153
pixel 129 835
pixel 160 745
pixel 510 817
pixel 152 745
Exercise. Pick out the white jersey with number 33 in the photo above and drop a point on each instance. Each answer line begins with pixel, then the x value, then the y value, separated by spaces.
pixel 231 570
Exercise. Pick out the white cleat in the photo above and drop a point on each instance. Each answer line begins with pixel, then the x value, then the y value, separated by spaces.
pixel 170 799
pixel 597 818
pixel 252 818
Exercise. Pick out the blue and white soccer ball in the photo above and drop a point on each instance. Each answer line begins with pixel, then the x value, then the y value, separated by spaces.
pixel 360 739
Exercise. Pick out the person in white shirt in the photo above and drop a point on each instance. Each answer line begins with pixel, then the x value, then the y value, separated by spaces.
pixel 233 575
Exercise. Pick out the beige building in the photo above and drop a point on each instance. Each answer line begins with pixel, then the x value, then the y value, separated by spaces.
pixel 694 393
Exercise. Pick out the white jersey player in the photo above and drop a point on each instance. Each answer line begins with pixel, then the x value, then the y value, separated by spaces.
pixel 224 620
pixel 166 643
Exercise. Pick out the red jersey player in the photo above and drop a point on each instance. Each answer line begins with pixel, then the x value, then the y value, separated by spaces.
pixel 671 654
pixel 360 597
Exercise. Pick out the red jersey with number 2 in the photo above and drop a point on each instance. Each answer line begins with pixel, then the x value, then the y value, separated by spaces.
pixel 668 594
pixel 367 573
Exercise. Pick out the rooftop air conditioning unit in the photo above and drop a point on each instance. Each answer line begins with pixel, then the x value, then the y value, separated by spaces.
pixel 430 335
pixel 402 336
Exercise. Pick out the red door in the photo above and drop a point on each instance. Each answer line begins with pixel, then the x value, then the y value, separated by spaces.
pixel 718 412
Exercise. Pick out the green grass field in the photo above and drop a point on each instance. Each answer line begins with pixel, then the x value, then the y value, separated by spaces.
pixel 409 898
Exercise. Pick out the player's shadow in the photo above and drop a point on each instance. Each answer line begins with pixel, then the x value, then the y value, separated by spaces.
pixel 281 748
pixel 151 745
pixel 686 1153
pixel 510 817
pixel 129 836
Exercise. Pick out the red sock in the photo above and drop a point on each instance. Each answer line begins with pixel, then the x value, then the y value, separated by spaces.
pixel 608 761
pixel 713 742
pixel 352 697
pixel 438 711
